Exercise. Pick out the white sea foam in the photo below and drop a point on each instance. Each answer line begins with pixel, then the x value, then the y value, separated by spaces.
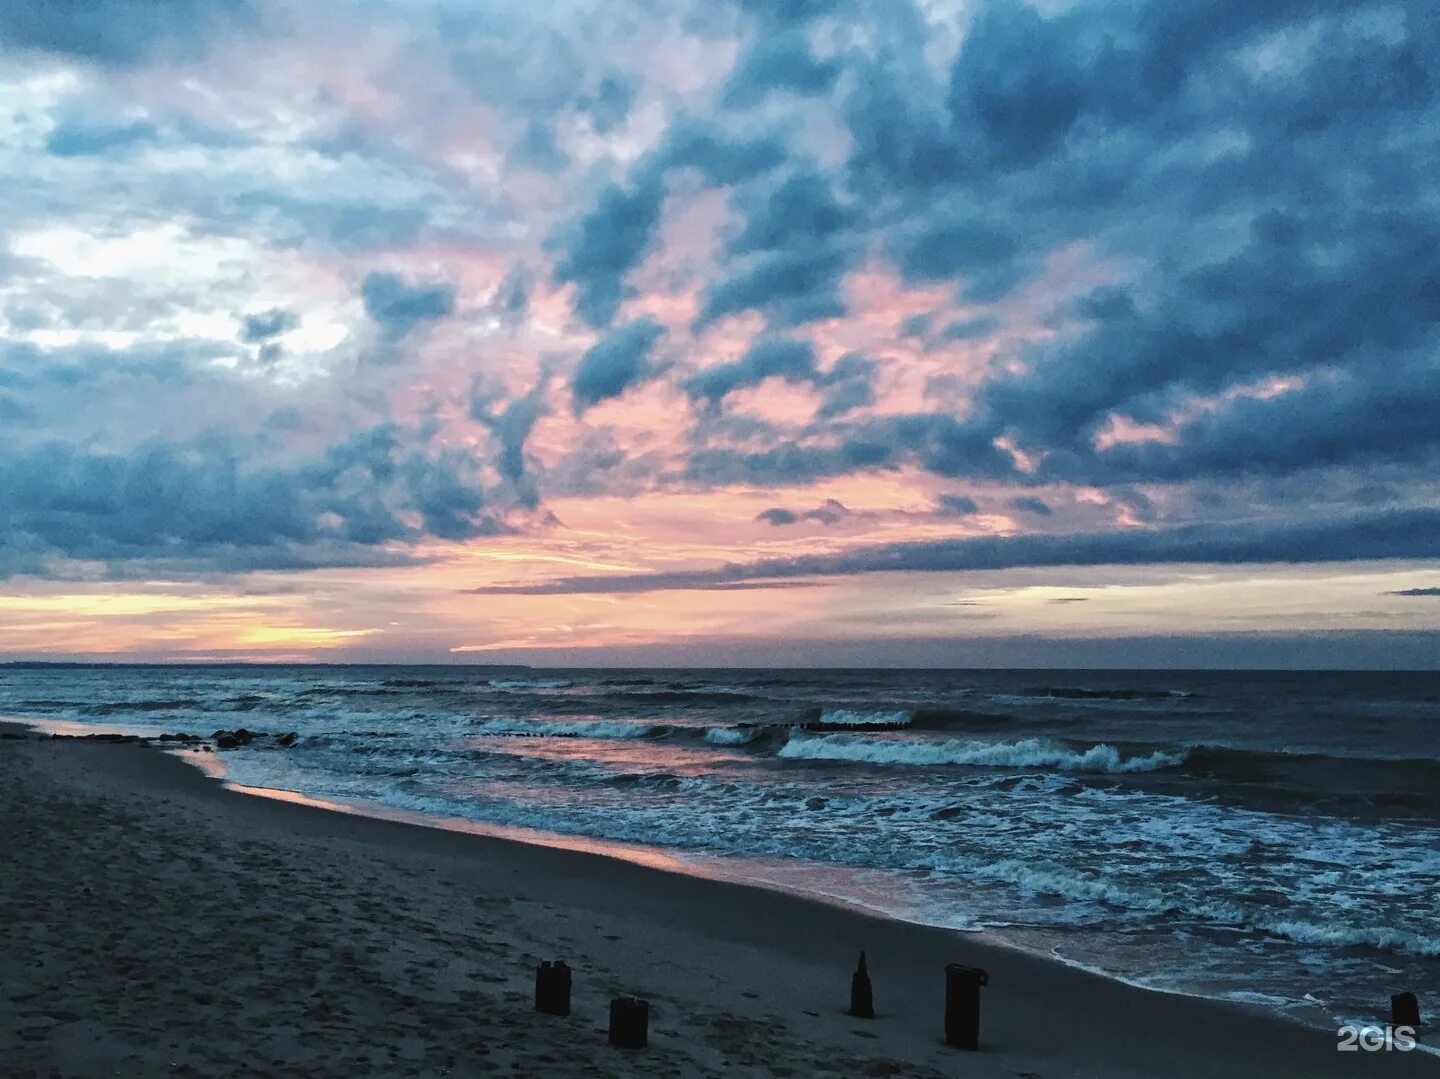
pixel 848 717
pixel 1029 753
pixel 731 736
pixel 1341 936
pixel 580 728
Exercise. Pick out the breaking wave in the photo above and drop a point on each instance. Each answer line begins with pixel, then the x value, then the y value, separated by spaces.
pixel 584 728
pixel 1029 753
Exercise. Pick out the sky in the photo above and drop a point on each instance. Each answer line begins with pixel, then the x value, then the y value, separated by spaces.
pixel 704 332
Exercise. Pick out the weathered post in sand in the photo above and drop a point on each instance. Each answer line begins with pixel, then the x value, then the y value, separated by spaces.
pixel 629 1022
pixel 1404 1010
pixel 552 988
pixel 862 997
pixel 962 1005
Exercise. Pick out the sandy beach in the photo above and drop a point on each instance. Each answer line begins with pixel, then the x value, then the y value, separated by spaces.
pixel 153 922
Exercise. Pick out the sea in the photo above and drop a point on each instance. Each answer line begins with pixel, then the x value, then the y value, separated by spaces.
pixel 1265 837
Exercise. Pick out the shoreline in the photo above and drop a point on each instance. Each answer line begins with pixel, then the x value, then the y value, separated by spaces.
pixel 742 871
pixel 765 968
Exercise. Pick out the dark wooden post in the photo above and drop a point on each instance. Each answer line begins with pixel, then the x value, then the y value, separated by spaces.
pixel 962 1005
pixel 862 997
pixel 1404 1010
pixel 629 1022
pixel 552 988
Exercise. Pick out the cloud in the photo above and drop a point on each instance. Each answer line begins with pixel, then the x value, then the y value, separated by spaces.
pixel 792 287
pixel 789 11
pixel 777 517
pixel 956 506
pixel 1030 504
pixel 778 62
pixel 776 357
pixel 208 504
pixel 605 243
pixel 512 426
pixel 1160 261
pixel 512 296
pixel 827 513
pixel 972 329
pixel 1410 534
pixel 1415 592
pixel 616 362
pixel 598 249
pixel 116 31
pixel 849 385
pixel 77 139
pixel 264 325
pixel 611 103
pixel 399 307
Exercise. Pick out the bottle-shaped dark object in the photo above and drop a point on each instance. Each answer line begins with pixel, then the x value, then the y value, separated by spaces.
pixel 552 988
pixel 862 996
pixel 629 1022
pixel 962 1005
pixel 1405 1010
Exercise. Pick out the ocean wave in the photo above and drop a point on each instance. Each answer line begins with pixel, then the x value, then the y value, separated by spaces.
pixel 1263 764
pixel 852 719
pixel 121 707
pixel 1029 753
pixel 1080 693
pixel 959 719
pixel 1381 938
pixel 681 696
pixel 583 728
pixel 733 736
pixel 530 683
pixel 1153 901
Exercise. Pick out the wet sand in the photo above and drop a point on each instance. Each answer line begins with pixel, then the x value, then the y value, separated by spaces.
pixel 154 923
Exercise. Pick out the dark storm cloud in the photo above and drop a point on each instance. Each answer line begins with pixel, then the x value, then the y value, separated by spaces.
pixel 1158 133
pixel 75 376
pixel 400 306
pixel 1243 195
pixel 1415 592
pixel 1043 98
pixel 267 324
pixel 956 506
pixel 512 426
pixel 778 516
pixel 75 138
pixel 1031 504
pixel 790 11
pixel 116 31
pixel 615 363
pixel 512 296
pixel 792 287
pixel 609 107
pixel 778 62
pixel 597 250
pixel 777 357
pixel 605 243
pixel 972 329
pixel 204 504
pixel 827 513
pixel 801 210
pixel 1400 535
pixel 848 386
pixel 347 224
